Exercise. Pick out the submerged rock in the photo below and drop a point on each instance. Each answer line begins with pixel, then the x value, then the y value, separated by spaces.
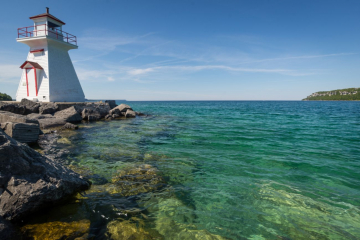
pixel 57 230
pixel 31 181
pixel 70 126
pixel 174 220
pixel 22 132
pixel 142 179
pixel 127 230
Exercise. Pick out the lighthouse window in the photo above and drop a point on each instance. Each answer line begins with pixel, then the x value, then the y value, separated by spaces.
pixel 53 26
pixel 38 54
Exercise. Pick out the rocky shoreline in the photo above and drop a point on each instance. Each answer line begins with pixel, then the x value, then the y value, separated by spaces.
pixel 30 181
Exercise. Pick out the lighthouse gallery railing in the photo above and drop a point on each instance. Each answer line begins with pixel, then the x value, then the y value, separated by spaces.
pixel 42 30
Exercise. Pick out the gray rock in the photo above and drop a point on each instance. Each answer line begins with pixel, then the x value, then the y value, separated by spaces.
pixel 16 118
pixel 90 114
pixel 32 181
pixel 108 117
pixel 30 106
pixel 48 108
pixel 92 118
pixel 62 106
pixel 12 107
pixel 115 111
pixel 130 114
pixel 46 121
pixel 22 132
pixel 38 116
pixel 69 115
pixel 70 126
pixel 53 122
pixel 123 107
pixel 112 103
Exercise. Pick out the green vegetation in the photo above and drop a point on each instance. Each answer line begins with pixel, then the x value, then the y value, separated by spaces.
pixel 5 97
pixel 347 94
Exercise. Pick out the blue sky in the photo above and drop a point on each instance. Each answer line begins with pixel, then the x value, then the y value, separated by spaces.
pixel 197 50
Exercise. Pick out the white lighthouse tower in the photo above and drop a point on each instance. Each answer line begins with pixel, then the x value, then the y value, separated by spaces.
pixel 48 73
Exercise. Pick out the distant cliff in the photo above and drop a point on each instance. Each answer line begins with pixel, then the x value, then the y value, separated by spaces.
pixel 347 94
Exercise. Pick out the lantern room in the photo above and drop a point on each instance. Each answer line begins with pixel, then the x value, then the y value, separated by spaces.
pixel 49 25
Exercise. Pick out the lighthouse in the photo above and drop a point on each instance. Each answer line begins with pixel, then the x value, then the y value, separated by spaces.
pixel 48 74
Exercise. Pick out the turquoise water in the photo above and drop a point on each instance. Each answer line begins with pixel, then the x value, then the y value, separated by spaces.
pixel 229 170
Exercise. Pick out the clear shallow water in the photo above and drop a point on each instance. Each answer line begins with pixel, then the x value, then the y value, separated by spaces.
pixel 230 170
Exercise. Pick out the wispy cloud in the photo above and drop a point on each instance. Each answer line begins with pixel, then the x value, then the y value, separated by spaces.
pixel 102 41
pixel 301 57
pixel 139 71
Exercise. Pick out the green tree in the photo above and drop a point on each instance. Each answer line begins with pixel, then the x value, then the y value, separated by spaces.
pixel 5 97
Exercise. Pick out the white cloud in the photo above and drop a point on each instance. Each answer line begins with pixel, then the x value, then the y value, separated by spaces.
pixel 140 71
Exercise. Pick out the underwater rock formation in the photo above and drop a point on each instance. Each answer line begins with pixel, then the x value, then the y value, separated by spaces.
pixel 127 230
pixel 57 230
pixel 142 179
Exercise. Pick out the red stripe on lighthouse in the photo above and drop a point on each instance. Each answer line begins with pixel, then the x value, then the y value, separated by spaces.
pixel 27 84
pixel 38 50
pixel 35 81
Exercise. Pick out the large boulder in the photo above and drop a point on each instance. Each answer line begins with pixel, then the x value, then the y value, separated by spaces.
pixel 30 106
pixel 122 108
pixel 48 108
pixel 16 118
pixel 12 107
pixel 116 111
pixel 47 121
pixel 69 115
pixel 31 181
pixel 130 114
pixel 22 132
